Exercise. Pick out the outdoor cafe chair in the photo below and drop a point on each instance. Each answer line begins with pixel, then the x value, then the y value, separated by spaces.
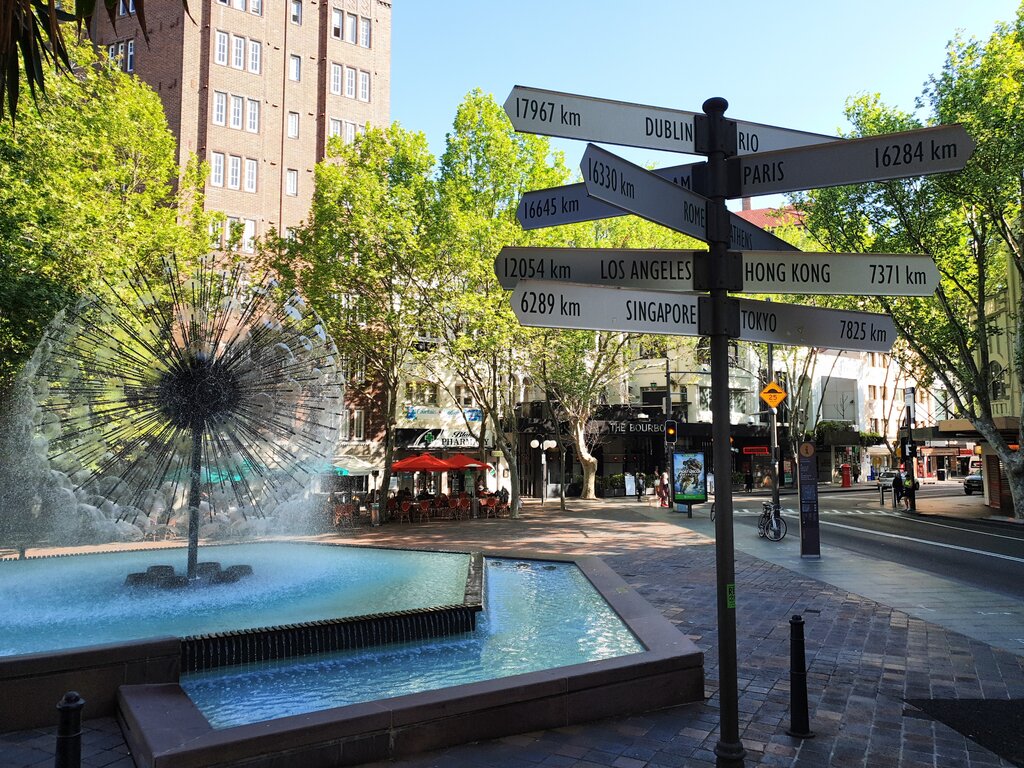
pixel 423 510
pixel 405 512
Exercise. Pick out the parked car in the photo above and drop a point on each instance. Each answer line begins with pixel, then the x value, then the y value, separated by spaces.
pixel 972 483
pixel 884 479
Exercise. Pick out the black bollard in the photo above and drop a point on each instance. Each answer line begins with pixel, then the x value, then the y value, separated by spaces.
pixel 799 719
pixel 69 731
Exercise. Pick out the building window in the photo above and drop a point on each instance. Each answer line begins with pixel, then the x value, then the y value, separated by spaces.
pixel 234 172
pixel 129 57
pixel 872 392
pixel 356 429
pixel 350 132
pixel 216 234
pixel 251 168
pixel 295 67
pixel 364 32
pixel 353 22
pixel 249 236
pixel 239 5
pixel 421 393
pixel 463 396
pixel 333 127
pixel 252 113
pixel 885 392
pixel 125 7
pixel 337 25
pixel 256 7
pixel 255 56
pixel 238 52
pixel 296 6
pixel 350 82
pixel 220 49
pixel 224 2
pixel 293 125
pixel 364 86
pixel 292 182
pixel 998 374
pixel 236 112
pixel 336 79
pixel 220 107
pixel 217 169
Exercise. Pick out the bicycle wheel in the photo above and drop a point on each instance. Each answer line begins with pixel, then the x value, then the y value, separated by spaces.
pixel 776 529
pixel 761 523
pixel 712 511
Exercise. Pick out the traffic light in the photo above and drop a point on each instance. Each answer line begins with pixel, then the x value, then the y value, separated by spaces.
pixel 671 431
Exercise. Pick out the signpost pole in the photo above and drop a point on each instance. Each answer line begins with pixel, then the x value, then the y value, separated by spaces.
pixel 729 750
pixel 773 430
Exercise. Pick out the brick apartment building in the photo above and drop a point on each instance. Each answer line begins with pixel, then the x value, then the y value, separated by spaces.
pixel 256 87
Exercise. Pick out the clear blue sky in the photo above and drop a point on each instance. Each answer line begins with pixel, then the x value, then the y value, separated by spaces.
pixel 791 64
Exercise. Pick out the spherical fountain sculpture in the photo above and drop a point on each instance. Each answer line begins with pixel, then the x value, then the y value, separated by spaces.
pixel 192 393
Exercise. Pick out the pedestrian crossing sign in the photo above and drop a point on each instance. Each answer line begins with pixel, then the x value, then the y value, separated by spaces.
pixel 773 394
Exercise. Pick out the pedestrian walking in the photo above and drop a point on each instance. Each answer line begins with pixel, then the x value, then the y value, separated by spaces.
pixel 897 489
pixel 748 480
pixel 641 486
pixel 666 491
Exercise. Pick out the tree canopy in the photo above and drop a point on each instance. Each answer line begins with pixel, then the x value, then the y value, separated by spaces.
pixel 968 222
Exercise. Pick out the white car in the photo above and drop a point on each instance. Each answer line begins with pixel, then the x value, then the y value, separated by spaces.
pixel 885 479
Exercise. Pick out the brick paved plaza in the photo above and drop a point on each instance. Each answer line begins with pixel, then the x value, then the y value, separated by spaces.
pixel 864 658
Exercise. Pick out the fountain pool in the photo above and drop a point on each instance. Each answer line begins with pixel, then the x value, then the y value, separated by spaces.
pixel 60 603
pixel 570 667
pixel 537 616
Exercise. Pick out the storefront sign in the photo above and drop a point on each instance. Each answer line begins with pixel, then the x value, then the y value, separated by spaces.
pixel 639 427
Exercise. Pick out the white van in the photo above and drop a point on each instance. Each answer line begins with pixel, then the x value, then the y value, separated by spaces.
pixel 974 466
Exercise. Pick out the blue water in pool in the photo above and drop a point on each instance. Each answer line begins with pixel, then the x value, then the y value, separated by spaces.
pixel 56 603
pixel 537 616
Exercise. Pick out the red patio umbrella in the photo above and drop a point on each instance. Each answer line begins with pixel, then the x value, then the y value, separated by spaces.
pixel 423 462
pixel 462 461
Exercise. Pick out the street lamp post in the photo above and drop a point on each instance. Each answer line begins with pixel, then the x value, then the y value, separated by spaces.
pixel 544 446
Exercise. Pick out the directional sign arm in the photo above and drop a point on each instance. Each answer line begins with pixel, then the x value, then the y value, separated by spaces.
pixel 854 274
pixel 659 269
pixel 546 304
pixel 797 325
pixel 570 116
pixel 634 189
pixel 873 158
pixel 570 204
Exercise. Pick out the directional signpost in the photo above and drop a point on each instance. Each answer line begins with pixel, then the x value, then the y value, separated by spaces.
pixel 817 274
pixel 584 289
pixel 551 113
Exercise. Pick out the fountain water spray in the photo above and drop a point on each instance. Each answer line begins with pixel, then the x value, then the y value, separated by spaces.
pixel 188 391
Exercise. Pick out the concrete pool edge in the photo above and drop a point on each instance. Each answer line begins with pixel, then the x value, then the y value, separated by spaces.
pixel 163 727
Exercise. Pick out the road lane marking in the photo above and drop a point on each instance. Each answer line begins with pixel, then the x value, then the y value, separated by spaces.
pixel 925 541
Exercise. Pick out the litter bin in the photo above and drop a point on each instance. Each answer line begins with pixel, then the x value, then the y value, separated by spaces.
pixel 940 474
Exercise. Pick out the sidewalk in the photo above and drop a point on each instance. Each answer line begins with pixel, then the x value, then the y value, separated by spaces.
pixel 865 657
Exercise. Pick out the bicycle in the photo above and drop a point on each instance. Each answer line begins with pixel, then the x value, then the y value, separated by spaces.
pixel 771 525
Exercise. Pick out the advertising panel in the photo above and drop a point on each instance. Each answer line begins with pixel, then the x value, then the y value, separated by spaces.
pixel 689 477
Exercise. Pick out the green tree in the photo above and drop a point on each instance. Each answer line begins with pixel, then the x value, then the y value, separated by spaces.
pixel 485 169
pixel 968 222
pixel 86 189
pixel 365 256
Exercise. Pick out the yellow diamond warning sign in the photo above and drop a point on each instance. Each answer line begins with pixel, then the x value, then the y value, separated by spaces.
pixel 773 394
